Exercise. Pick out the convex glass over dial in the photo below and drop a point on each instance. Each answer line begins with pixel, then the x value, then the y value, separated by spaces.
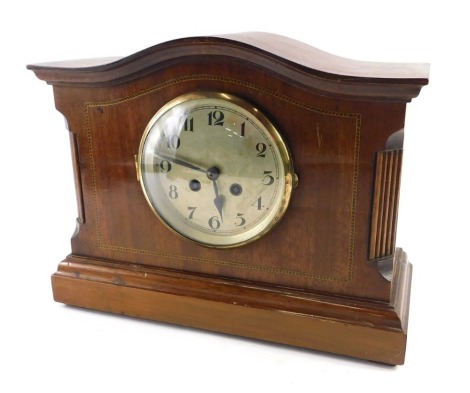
pixel 215 170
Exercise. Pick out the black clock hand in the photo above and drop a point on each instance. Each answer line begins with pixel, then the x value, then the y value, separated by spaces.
pixel 213 174
pixel 218 201
pixel 181 162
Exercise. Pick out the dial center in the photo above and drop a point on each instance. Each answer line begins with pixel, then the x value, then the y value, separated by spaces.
pixel 213 173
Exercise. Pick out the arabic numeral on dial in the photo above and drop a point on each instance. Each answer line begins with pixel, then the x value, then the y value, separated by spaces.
pixel 258 204
pixel 173 193
pixel 268 179
pixel 165 166
pixel 214 222
pixel 242 129
pixel 189 124
pixel 173 141
pixel 240 220
pixel 216 118
pixel 261 149
pixel 192 210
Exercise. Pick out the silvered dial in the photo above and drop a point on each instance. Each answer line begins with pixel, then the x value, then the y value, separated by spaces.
pixel 215 170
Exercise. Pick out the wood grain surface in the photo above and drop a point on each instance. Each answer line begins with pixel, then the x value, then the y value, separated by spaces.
pixel 312 281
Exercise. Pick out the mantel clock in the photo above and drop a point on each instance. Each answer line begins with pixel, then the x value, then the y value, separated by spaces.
pixel 245 184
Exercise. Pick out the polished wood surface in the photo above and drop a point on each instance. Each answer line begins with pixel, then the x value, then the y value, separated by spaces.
pixel 288 58
pixel 366 330
pixel 336 116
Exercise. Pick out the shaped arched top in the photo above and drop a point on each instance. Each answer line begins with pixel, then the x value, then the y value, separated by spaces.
pixel 303 64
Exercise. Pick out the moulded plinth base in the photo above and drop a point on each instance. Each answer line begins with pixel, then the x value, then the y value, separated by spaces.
pixel 353 327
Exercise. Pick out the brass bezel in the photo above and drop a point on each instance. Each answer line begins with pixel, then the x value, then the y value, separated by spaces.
pixel 290 178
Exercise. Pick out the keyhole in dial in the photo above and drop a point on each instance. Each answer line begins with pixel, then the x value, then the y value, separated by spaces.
pixel 194 185
pixel 236 189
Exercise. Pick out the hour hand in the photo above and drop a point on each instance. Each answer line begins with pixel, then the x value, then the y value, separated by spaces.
pixel 213 174
pixel 218 201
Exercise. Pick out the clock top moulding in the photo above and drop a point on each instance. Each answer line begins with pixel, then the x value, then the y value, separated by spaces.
pixel 355 304
pixel 290 58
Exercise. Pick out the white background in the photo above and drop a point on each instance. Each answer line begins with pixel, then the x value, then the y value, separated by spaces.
pixel 49 347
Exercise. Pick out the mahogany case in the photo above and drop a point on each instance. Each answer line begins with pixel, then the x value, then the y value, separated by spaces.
pixel 328 277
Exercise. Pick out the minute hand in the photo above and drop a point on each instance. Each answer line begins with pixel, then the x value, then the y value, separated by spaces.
pixel 181 162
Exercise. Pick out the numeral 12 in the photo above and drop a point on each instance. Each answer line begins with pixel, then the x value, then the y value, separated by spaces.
pixel 216 118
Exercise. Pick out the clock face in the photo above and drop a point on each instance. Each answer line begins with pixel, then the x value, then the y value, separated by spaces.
pixel 215 170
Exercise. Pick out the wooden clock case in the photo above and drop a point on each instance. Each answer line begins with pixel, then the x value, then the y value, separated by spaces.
pixel 328 277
